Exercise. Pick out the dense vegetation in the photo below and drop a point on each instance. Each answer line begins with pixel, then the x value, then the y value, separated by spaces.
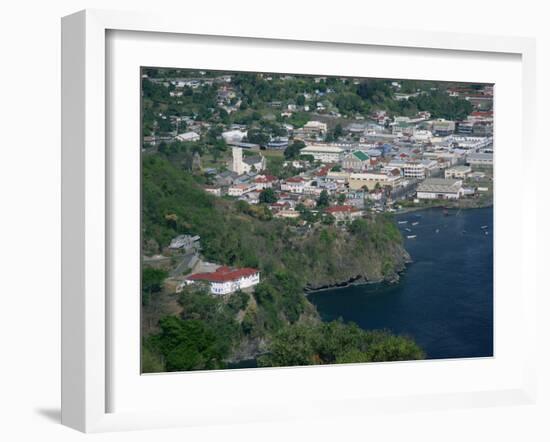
pixel 336 342
pixel 260 97
pixel 210 330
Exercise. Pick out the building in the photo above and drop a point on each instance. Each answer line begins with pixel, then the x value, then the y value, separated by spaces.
pixel 418 169
pixel 227 280
pixel 240 189
pixel 233 136
pixel 277 143
pixel 480 159
pixel 188 136
pixel 247 164
pixel 356 161
pixel 184 242
pixel 440 188
pixel 324 153
pixel 264 181
pixel 314 128
pixel 443 128
pixel 460 172
pixel 344 213
pixel 293 185
pixel 287 213
pixel 370 180
pixel 213 190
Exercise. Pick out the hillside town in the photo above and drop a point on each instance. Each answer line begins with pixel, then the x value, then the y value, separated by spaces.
pixel 321 156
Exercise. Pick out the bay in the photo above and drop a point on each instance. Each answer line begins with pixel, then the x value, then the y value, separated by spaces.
pixel 444 299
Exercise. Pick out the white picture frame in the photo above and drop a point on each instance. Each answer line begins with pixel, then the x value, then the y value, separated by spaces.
pixel 86 204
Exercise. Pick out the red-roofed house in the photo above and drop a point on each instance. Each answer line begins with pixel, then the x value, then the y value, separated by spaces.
pixel 293 185
pixel 227 280
pixel 344 213
pixel 264 181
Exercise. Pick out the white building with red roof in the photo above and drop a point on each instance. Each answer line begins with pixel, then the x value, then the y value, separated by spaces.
pixel 344 213
pixel 227 280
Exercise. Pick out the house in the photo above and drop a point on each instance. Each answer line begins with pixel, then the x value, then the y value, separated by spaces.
pixel 356 161
pixel 440 188
pixel 188 136
pixel 264 181
pixel 213 190
pixel 226 178
pixel 344 213
pixel 240 189
pixel 227 280
pixel 460 172
pixel 287 213
pixel 323 153
pixel 293 185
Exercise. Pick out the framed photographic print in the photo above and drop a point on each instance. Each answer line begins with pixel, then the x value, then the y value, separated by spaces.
pixel 285 223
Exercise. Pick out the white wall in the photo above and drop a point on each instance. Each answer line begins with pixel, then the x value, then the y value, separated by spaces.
pixel 30 182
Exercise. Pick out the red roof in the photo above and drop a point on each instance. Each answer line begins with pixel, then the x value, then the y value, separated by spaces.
pixel 294 180
pixel 335 209
pixel 224 274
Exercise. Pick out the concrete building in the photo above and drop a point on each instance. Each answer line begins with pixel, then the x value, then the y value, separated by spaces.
pixel 440 188
pixel 323 153
pixel 314 128
pixel 443 128
pixel 240 189
pixel 371 179
pixel 480 159
pixel 460 172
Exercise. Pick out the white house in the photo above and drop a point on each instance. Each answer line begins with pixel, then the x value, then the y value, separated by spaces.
pixel 227 280
pixel 240 189
pixel 293 185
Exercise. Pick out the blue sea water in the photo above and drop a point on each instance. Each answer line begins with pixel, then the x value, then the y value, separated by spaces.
pixel 444 299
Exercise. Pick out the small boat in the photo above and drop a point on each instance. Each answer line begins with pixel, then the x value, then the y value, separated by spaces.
pixel 483 227
pixel 436 230
pixel 415 223
pixel 486 233
pixel 408 230
pixel 445 212
pixel 411 236
pixel 402 222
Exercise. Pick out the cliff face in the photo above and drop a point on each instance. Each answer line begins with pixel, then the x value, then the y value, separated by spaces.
pixel 366 266
pixel 338 258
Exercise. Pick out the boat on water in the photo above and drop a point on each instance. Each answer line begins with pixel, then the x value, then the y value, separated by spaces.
pixel 402 222
pixel 436 230
pixel 411 236
pixel 415 223
pixel 483 227
pixel 408 230
pixel 445 212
